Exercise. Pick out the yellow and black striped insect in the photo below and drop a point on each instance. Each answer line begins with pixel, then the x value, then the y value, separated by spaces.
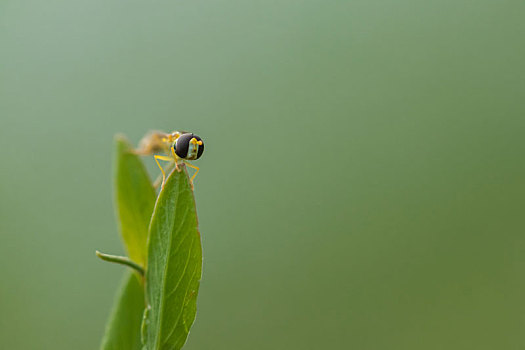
pixel 176 147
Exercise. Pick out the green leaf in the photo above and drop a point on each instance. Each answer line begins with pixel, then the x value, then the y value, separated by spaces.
pixel 123 328
pixel 174 266
pixel 135 199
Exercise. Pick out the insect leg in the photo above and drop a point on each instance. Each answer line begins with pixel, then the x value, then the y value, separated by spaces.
pixel 194 174
pixel 157 157
pixel 176 158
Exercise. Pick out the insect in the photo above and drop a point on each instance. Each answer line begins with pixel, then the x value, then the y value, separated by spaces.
pixel 177 147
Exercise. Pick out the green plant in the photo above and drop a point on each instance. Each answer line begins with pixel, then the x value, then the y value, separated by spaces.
pixel 156 303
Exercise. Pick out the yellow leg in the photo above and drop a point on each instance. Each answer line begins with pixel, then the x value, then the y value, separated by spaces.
pixel 157 157
pixel 194 174
pixel 175 158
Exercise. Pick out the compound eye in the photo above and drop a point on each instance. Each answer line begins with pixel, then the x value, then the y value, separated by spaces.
pixel 189 146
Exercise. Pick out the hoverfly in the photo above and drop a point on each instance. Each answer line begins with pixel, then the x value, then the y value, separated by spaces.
pixel 177 147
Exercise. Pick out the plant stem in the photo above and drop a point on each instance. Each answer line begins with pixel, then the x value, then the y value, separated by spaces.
pixel 121 260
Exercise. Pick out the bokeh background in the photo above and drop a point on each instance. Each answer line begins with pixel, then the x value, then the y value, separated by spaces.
pixel 363 184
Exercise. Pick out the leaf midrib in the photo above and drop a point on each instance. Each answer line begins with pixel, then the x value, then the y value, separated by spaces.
pixel 164 274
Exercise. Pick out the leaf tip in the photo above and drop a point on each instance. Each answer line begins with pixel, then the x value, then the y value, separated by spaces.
pixel 120 137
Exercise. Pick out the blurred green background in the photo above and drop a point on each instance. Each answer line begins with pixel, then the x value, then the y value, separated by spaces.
pixel 363 183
